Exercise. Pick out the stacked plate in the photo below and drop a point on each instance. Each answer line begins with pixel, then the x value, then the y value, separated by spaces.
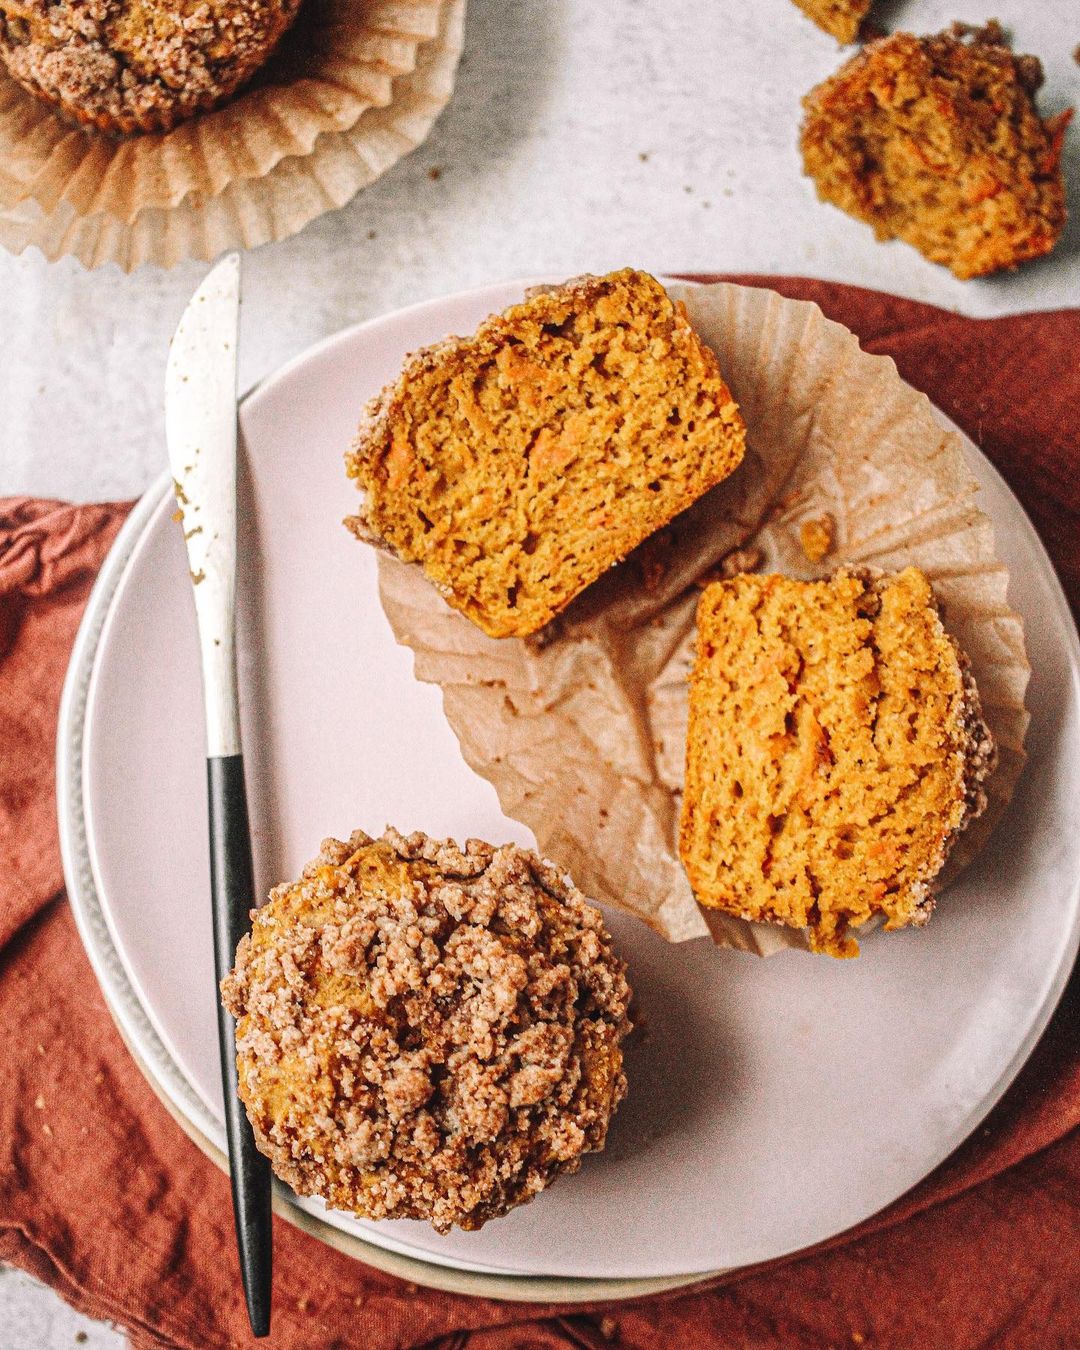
pixel 772 1103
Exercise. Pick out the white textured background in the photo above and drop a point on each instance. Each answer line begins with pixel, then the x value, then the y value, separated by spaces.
pixel 584 135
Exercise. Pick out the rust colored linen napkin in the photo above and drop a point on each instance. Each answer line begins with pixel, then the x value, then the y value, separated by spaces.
pixel 103 1197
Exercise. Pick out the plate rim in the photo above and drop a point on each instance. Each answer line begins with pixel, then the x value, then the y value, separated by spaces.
pixel 132 1017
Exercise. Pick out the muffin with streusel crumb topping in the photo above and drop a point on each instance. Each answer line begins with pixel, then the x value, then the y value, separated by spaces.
pixel 426 1031
pixel 127 66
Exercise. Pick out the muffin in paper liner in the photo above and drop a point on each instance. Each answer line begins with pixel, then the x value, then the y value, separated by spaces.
pixel 582 730
pixel 353 87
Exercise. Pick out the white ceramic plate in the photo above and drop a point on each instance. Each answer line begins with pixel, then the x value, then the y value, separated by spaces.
pixel 772 1103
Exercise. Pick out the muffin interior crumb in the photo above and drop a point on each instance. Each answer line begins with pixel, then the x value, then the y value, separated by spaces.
pixel 841 18
pixel 835 751
pixel 518 464
pixel 937 141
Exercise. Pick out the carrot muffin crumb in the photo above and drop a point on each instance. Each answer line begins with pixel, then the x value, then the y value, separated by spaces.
pixel 841 18
pixel 816 538
pixel 426 1031
pixel 518 464
pixel 836 749
pixel 938 141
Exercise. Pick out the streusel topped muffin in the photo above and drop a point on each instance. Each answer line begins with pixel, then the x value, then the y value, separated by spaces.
pixel 426 1031
pixel 125 66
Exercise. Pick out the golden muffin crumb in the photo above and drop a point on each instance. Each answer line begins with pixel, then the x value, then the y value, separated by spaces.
pixel 816 537
pixel 138 65
pixel 835 751
pixel 425 1031
pixel 841 18
pixel 937 141
pixel 518 464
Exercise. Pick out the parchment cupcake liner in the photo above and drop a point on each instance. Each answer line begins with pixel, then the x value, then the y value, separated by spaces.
pixel 365 84
pixel 582 733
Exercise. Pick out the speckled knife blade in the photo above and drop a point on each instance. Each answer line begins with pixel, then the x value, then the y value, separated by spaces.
pixel 200 429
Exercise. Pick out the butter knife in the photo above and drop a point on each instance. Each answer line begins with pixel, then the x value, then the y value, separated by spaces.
pixel 200 429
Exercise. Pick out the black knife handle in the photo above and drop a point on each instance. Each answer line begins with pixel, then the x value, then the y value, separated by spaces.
pixel 232 887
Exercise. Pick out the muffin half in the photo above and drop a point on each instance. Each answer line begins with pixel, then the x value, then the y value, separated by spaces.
pixel 518 464
pixel 937 141
pixel 836 749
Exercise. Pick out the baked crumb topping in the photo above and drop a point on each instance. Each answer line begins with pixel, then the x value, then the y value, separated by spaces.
pixel 129 65
pixel 426 1031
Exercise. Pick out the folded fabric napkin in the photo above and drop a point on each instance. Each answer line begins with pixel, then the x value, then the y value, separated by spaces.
pixel 103 1196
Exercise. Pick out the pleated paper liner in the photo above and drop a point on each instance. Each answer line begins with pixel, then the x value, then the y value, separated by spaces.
pixel 582 734
pixel 355 85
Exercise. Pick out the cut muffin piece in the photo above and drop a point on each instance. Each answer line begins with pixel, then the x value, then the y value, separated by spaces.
pixel 841 18
pixel 836 749
pixel 518 464
pixel 428 1032
pixel 937 141
pixel 127 66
